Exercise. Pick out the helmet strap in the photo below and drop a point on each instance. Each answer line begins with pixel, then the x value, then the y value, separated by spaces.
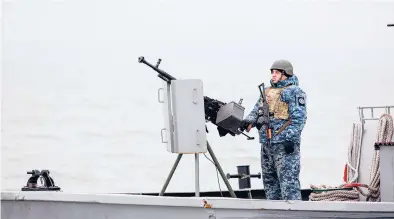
pixel 285 73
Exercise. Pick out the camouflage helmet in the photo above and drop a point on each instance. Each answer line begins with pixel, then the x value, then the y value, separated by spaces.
pixel 283 65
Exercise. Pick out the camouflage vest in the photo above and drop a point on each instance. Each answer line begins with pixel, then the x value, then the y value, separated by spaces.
pixel 279 108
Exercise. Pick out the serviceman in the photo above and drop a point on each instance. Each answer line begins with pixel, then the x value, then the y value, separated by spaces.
pixel 287 106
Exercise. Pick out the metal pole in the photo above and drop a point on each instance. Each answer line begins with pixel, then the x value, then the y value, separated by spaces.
pixel 250 194
pixel 231 191
pixel 197 180
pixel 171 174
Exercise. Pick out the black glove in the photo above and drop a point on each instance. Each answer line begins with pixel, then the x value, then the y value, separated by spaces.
pixel 244 125
pixel 259 123
pixel 289 147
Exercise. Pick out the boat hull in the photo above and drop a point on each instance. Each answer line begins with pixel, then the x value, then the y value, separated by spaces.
pixel 60 205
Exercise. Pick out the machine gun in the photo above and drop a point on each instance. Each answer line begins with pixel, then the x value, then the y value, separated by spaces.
pixel 225 116
pixel 180 129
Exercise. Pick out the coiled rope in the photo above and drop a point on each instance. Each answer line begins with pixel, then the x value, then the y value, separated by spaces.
pixel 384 134
pixel 354 154
pixel 340 193
pixel 351 191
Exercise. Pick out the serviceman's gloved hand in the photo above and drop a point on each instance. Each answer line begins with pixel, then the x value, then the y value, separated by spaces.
pixel 289 147
pixel 244 125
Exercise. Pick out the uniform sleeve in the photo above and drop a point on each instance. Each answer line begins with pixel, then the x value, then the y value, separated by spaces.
pixel 298 115
pixel 252 116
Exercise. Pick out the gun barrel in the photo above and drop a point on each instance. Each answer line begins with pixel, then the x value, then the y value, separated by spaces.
pixel 141 59
pixel 390 25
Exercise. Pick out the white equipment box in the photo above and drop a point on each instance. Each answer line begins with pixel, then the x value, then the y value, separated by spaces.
pixel 184 117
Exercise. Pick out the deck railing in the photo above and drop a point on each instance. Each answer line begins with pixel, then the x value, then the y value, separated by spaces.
pixel 373 116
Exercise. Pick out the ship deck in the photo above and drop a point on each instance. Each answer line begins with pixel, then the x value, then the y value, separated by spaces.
pixel 62 205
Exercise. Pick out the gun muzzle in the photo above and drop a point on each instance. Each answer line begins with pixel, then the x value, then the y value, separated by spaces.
pixel 141 59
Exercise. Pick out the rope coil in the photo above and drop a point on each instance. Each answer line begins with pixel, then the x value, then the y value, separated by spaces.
pixel 384 134
pixel 354 154
pixel 328 193
pixel 351 191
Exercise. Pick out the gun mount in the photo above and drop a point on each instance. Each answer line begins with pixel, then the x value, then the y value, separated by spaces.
pixel 226 116
pixel 243 176
pixel 47 181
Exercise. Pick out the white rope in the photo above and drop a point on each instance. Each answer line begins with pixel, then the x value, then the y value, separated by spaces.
pixel 354 154
pixel 384 134
pixel 353 162
pixel 334 195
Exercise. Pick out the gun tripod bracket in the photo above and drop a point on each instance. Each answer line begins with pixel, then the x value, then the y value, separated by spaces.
pixel 47 181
